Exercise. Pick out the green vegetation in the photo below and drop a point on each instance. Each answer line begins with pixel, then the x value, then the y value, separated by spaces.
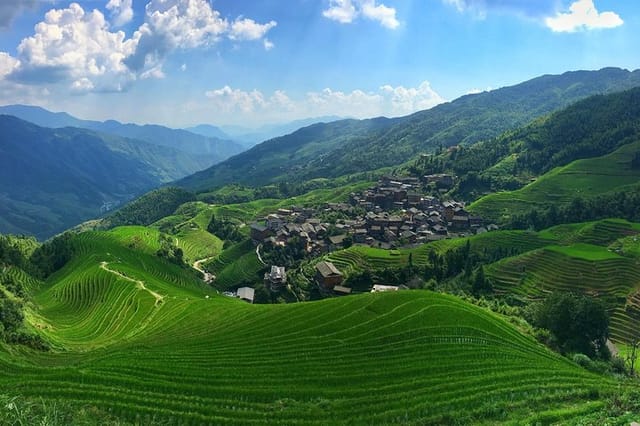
pixel 151 207
pixel 235 266
pixel 162 352
pixel 51 180
pixel 576 323
pixel 349 146
pixel 559 188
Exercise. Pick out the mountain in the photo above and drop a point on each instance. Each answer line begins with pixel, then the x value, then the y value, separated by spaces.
pixel 251 136
pixel 208 131
pixel 52 179
pixel 348 146
pixel 214 149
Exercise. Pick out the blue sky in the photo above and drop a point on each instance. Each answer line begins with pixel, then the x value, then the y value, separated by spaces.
pixel 185 62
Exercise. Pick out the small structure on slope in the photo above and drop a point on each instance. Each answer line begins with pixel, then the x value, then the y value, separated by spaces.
pixel 327 275
pixel 276 278
pixel 246 294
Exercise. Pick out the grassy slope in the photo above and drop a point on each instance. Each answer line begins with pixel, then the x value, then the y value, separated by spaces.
pixel 584 178
pixel 414 357
pixel 598 258
pixel 358 258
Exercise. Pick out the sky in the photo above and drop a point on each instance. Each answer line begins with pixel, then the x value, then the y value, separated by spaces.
pixel 254 62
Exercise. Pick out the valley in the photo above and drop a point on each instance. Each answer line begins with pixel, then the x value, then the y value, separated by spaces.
pixel 425 287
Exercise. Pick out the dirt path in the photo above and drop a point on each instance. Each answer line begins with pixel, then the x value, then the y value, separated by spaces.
pixel 258 254
pixel 159 298
pixel 197 265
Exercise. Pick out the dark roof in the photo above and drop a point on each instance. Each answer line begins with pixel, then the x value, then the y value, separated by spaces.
pixel 258 227
pixel 337 239
pixel 327 269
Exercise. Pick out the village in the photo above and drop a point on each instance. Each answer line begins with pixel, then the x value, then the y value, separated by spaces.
pixel 395 213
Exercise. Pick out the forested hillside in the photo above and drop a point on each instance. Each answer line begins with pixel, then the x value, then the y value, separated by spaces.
pixel 51 179
pixel 348 146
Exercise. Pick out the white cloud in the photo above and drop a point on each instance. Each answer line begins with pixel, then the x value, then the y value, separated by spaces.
pixel 583 15
pixel 229 99
pixel 268 44
pixel 342 11
pixel 407 100
pixel 346 11
pixel 121 11
pixel 386 16
pixel 78 48
pixel 387 100
pixel 183 67
pixel 248 29
pixel 7 64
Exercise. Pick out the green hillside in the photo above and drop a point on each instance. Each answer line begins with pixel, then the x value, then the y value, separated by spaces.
pixel 581 178
pixel 349 146
pixel 140 341
pixel 53 179
pixel 599 259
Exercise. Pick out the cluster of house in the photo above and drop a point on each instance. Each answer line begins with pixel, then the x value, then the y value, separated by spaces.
pixel 397 214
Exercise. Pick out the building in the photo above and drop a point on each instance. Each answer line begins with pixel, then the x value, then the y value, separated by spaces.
pixel 259 232
pixel 276 278
pixel 246 294
pixel 327 275
pixel 377 288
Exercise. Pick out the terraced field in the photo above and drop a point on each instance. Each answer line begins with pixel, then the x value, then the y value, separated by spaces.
pixel 589 177
pixel 582 268
pixel 235 265
pixel 358 258
pixel 412 357
pixel 188 226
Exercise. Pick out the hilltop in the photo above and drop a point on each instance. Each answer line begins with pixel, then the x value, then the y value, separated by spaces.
pixel 349 146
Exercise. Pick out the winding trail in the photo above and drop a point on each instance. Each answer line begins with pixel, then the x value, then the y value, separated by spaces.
pixel 258 254
pixel 159 298
pixel 197 265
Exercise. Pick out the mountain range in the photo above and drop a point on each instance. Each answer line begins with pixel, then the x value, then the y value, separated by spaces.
pixel 349 146
pixel 214 149
pixel 52 179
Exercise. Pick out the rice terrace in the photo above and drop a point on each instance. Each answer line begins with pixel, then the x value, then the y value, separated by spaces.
pixel 330 212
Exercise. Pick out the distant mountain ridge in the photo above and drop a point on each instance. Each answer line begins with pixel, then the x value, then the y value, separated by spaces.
pixel 52 179
pixel 217 149
pixel 348 146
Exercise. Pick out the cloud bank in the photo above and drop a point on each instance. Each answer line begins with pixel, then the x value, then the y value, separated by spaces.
pixel 81 50
pixel 387 100
pixel 583 15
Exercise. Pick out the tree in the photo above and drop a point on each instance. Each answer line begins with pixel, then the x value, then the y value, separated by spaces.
pixel 480 285
pixel 11 315
pixel 577 323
